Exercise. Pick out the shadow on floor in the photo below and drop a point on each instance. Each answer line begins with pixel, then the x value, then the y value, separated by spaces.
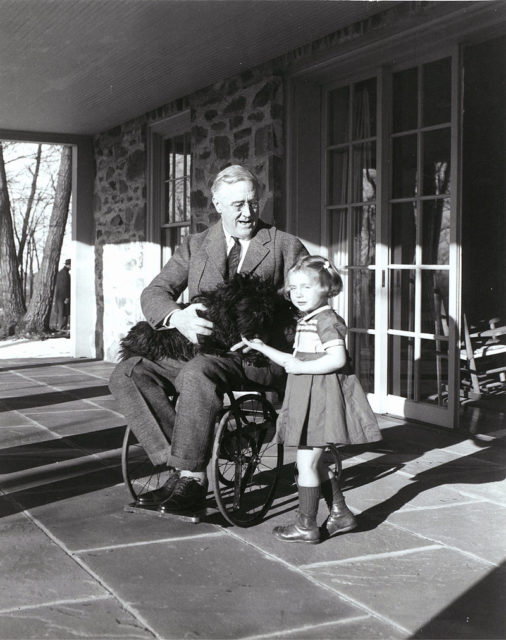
pixel 46 452
pixel 471 616
pixel 15 403
pixel 57 361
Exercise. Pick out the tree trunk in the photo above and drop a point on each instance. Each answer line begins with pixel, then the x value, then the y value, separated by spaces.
pixel 11 291
pixel 39 310
pixel 29 205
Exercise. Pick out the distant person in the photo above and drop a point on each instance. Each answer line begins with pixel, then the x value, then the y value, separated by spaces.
pixel 62 296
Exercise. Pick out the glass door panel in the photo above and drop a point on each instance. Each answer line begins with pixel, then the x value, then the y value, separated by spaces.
pixel 420 216
pixel 350 213
pixel 389 217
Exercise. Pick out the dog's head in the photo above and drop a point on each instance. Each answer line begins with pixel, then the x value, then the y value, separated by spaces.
pixel 251 307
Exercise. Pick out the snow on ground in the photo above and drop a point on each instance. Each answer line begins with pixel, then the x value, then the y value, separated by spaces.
pixel 24 348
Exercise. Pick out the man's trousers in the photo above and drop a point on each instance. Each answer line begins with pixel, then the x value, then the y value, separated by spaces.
pixel 142 388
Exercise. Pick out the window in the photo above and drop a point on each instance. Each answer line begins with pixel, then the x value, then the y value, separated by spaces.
pixel 175 219
pixel 169 186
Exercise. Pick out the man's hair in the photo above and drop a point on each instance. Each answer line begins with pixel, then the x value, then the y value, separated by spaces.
pixel 232 174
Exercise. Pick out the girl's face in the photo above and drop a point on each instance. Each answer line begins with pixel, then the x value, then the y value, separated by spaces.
pixel 305 291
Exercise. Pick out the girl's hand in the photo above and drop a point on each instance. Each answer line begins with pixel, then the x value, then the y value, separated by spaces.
pixel 254 343
pixel 247 345
pixel 293 365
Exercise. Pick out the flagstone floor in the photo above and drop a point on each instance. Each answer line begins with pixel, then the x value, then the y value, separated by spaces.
pixel 427 561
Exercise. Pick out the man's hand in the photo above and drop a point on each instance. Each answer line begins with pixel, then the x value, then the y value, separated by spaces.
pixel 189 323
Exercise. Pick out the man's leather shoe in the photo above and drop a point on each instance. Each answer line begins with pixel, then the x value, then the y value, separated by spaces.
pixel 188 495
pixel 304 529
pixel 341 519
pixel 157 496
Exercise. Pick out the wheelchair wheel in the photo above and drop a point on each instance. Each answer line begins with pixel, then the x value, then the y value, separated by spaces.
pixel 139 473
pixel 245 462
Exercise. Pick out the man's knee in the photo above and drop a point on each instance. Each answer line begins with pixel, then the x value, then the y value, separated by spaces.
pixel 200 370
pixel 123 372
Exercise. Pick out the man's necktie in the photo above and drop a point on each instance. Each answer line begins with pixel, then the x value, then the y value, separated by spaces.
pixel 233 258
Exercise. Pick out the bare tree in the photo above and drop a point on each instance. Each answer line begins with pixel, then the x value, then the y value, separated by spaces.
pixel 12 294
pixel 28 211
pixel 39 309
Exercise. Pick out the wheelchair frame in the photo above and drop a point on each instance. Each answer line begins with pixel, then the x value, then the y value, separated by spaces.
pixel 245 462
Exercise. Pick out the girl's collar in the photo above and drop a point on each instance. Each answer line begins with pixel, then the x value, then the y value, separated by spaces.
pixel 315 311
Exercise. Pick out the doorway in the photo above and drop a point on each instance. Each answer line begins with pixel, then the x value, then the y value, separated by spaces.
pixel 483 378
pixel 398 175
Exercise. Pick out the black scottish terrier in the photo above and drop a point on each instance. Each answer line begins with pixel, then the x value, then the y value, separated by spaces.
pixel 244 306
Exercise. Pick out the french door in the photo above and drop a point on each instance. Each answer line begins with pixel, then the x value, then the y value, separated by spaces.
pixel 390 224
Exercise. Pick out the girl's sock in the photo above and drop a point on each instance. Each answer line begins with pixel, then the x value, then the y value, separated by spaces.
pixel 309 498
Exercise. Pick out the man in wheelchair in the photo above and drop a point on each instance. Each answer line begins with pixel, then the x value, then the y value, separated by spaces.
pixel 182 439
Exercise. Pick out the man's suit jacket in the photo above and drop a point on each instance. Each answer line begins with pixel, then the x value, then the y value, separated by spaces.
pixel 199 263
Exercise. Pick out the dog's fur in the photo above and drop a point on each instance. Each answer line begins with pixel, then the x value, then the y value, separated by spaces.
pixel 244 306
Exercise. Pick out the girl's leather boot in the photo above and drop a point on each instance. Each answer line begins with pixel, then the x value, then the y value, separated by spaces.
pixel 304 529
pixel 341 519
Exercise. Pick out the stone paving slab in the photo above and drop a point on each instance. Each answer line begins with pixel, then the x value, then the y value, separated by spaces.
pixel 230 589
pixel 35 571
pixel 12 418
pixel 61 481
pixel 494 453
pixel 477 613
pixel 465 527
pixel 32 455
pixel 395 491
pixel 22 432
pixel 359 543
pixel 94 618
pixel 107 403
pixel 16 388
pixel 359 628
pixel 491 490
pixel 53 401
pixel 97 519
pixel 409 588
pixel 80 421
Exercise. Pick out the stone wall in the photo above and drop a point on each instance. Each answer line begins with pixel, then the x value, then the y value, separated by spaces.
pixel 238 121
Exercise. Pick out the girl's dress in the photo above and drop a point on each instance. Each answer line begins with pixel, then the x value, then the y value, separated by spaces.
pixel 324 408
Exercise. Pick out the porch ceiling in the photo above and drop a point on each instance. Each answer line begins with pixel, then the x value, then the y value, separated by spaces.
pixel 83 66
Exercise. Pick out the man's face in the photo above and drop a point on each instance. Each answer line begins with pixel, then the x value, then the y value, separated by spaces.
pixel 237 203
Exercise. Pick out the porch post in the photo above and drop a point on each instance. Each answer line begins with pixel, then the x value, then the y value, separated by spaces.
pixel 83 301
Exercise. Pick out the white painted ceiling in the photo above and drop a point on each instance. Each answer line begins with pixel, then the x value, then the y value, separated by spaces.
pixel 83 66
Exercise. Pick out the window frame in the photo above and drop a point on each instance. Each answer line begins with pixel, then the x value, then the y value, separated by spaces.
pixel 157 135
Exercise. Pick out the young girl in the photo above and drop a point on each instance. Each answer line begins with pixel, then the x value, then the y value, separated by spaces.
pixel 324 402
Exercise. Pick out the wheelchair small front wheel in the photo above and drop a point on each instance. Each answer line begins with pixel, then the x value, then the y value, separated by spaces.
pixel 246 462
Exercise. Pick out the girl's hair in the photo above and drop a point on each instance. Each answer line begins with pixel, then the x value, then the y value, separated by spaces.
pixel 327 274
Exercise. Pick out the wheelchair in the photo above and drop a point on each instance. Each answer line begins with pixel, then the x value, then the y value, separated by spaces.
pixel 245 463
